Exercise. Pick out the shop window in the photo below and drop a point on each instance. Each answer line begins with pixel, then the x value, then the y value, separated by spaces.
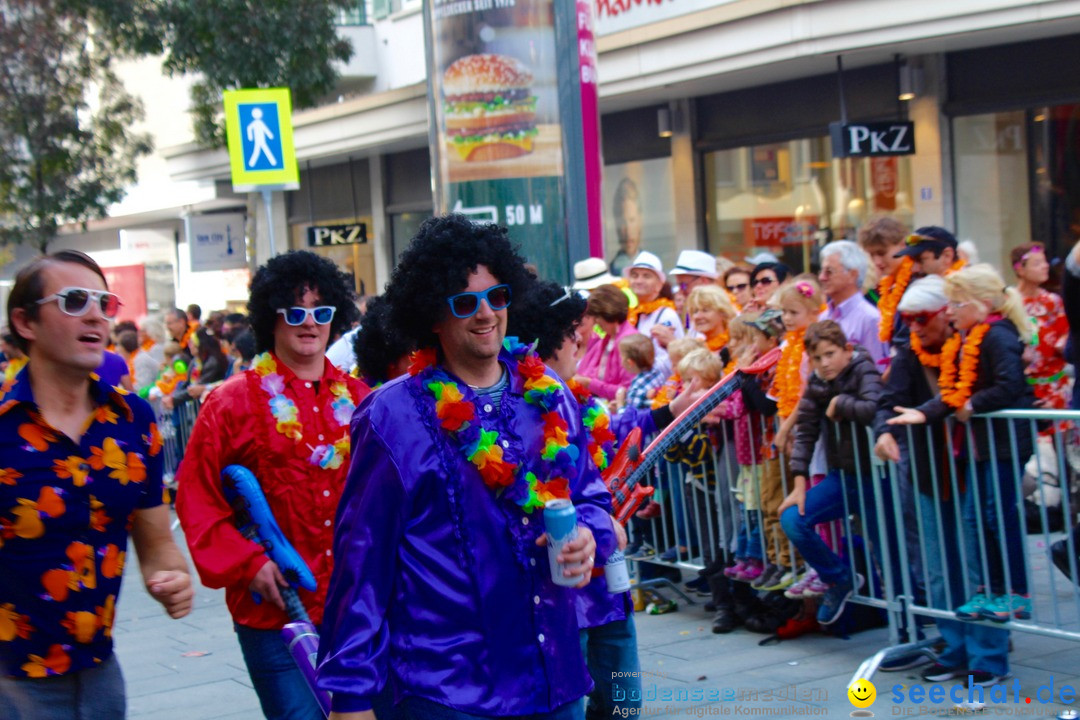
pixel 639 212
pixel 1055 140
pixel 403 226
pixel 993 198
pixel 792 197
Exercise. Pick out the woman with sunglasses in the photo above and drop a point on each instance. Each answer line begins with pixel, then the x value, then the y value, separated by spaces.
pixel 287 420
pixel 737 283
pixel 765 279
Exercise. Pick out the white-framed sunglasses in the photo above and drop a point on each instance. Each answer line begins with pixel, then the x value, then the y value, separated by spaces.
pixel 75 301
pixel 298 315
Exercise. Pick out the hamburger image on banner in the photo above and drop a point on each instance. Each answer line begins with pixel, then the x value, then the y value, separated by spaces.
pixel 490 109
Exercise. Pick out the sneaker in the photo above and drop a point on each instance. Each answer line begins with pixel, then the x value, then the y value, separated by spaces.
pixel 815 588
pixel 673 554
pixel 1002 608
pixel 972 609
pixel 644 551
pixel 780 578
pixel 752 572
pixel 985 677
pixel 905 662
pixel 735 570
pixel 699 586
pixel 767 574
pixel 796 591
pixel 835 598
pixel 940 673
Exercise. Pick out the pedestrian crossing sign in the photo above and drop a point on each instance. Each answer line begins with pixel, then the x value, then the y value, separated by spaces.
pixel 258 124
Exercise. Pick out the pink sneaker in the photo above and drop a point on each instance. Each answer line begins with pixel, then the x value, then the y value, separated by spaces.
pixel 816 587
pixel 800 589
pixel 735 570
pixel 752 571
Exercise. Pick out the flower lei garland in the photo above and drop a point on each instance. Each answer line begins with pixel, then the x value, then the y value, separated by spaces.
pixel 667 392
pixel 960 264
pixel 286 415
pixel 927 359
pixel 717 342
pixel 455 407
pixel 788 381
pixel 648 308
pixel 891 288
pixel 955 392
pixel 597 422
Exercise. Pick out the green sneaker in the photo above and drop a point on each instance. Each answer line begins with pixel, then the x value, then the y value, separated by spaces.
pixel 1002 608
pixel 972 609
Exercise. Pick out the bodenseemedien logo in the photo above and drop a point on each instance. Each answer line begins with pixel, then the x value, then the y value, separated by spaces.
pixel 862 694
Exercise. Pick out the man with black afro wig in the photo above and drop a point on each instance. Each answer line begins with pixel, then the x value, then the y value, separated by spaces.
pixel 286 419
pixel 381 352
pixel 550 315
pixel 442 579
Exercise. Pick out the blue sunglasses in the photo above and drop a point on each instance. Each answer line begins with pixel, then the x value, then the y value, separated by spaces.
pixel 465 304
pixel 299 315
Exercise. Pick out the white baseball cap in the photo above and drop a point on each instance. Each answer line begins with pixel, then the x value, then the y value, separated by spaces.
pixel 695 262
pixel 591 273
pixel 646 259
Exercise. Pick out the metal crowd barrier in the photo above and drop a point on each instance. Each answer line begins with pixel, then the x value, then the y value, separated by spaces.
pixel 924 554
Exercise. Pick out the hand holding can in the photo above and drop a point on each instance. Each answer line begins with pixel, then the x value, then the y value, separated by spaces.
pixel 570 548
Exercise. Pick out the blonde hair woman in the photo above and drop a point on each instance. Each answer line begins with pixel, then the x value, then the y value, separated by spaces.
pixel 982 371
pixel 711 312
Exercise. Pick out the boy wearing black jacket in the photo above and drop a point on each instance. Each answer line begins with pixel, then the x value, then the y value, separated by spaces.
pixel 843 389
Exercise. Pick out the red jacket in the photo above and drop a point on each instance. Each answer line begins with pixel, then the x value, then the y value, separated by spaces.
pixel 235 426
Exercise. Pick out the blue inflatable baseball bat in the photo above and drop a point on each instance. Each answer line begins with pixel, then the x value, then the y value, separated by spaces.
pixel 256 523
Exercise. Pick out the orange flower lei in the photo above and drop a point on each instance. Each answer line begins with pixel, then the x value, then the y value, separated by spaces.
pixel 891 289
pixel 927 359
pixel 667 392
pixel 958 265
pixel 788 383
pixel 717 343
pixel 956 392
pixel 647 308
pixel 732 364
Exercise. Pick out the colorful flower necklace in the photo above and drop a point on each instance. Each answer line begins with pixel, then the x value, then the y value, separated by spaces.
pixel 549 476
pixel 717 342
pixel 286 415
pixel 788 381
pixel 595 419
pixel 648 308
pixel 930 360
pixel 956 392
pixel 892 288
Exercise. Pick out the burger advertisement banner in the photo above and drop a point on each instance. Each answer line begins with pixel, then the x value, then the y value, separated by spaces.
pixel 498 93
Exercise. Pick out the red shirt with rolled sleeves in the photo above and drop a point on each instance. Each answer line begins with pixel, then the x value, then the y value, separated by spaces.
pixel 235 427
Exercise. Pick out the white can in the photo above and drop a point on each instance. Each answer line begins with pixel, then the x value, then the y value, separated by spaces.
pixel 616 573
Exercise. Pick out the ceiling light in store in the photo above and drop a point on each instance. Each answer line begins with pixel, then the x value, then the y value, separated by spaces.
pixel 908 82
pixel 1040 118
pixel 663 122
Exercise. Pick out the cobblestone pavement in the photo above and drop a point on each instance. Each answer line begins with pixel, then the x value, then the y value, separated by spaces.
pixel 191 669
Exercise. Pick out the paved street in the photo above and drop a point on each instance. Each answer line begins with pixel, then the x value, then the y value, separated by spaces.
pixel 191 669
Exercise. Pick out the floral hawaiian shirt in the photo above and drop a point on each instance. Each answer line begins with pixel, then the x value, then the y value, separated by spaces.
pixel 66 508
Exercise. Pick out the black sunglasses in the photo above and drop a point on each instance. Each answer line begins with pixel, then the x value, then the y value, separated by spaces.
pixel 738 288
pixel 763 281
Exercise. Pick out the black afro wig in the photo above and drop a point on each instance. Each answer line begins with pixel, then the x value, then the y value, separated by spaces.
pixel 437 264
pixel 378 345
pixel 281 282
pixel 547 314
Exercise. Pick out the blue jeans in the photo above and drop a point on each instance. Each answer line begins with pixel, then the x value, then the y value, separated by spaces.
pixel 414 708
pixel 611 653
pixel 283 692
pixel 981 508
pixel 826 502
pixel 974 647
pixel 748 539
pixel 96 692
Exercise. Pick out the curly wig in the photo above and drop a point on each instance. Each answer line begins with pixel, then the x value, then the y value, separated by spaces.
pixel 281 282
pixel 378 345
pixel 437 264
pixel 547 315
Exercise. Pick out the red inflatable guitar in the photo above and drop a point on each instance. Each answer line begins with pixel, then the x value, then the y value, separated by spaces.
pixel 631 466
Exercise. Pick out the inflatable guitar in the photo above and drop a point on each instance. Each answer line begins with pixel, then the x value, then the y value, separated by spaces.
pixel 255 522
pixel 625 475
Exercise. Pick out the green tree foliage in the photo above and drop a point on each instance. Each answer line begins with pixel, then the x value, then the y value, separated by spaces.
pixel 66 149
pixel 232 44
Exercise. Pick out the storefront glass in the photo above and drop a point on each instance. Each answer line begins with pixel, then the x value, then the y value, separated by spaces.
pixel 639 212
pixel 790 198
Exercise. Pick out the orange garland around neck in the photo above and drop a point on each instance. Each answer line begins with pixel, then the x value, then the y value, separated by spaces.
pixel 788 373
pixel 927 359
pixel 891 289
pixel 717 342
pixel 957 382
pixel 647 308
pixel 960 264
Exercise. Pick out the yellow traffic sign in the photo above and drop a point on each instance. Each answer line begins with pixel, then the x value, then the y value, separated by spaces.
pixel 258 124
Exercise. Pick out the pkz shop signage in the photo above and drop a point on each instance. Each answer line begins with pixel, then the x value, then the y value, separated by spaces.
pixel 879 139
pixel 326 235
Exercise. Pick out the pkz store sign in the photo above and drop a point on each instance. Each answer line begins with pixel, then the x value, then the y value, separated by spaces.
pixel 326 235
pixel 880 139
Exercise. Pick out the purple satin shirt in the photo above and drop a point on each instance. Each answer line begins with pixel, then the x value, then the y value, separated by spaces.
pixel 438 586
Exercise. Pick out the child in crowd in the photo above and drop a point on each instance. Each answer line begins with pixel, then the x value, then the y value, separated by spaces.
pixel 637 357
pixel 800 303
pixel 676 350
pixel 843 392
pixel 752 335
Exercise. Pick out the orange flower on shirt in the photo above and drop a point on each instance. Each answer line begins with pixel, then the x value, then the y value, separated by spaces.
pixel 28 523
pixel 39 437
pixel 105 414
pixel 154 441
pixel 56 663
pixel 112 565
pixel 13 624
pixel 59 582
pixel 126 467
pixel 8 476
pixel 82 560
pixel 73 467
pixel 82 625
pixel 107 613
pixel 98 517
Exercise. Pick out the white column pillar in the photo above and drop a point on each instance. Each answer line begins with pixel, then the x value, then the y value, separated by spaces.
pixel 931 169
pixel 380 227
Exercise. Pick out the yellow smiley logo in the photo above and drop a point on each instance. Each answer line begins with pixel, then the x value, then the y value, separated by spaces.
pixel 862 693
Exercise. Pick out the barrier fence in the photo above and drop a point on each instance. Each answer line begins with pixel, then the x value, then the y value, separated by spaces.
pixel 967 505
